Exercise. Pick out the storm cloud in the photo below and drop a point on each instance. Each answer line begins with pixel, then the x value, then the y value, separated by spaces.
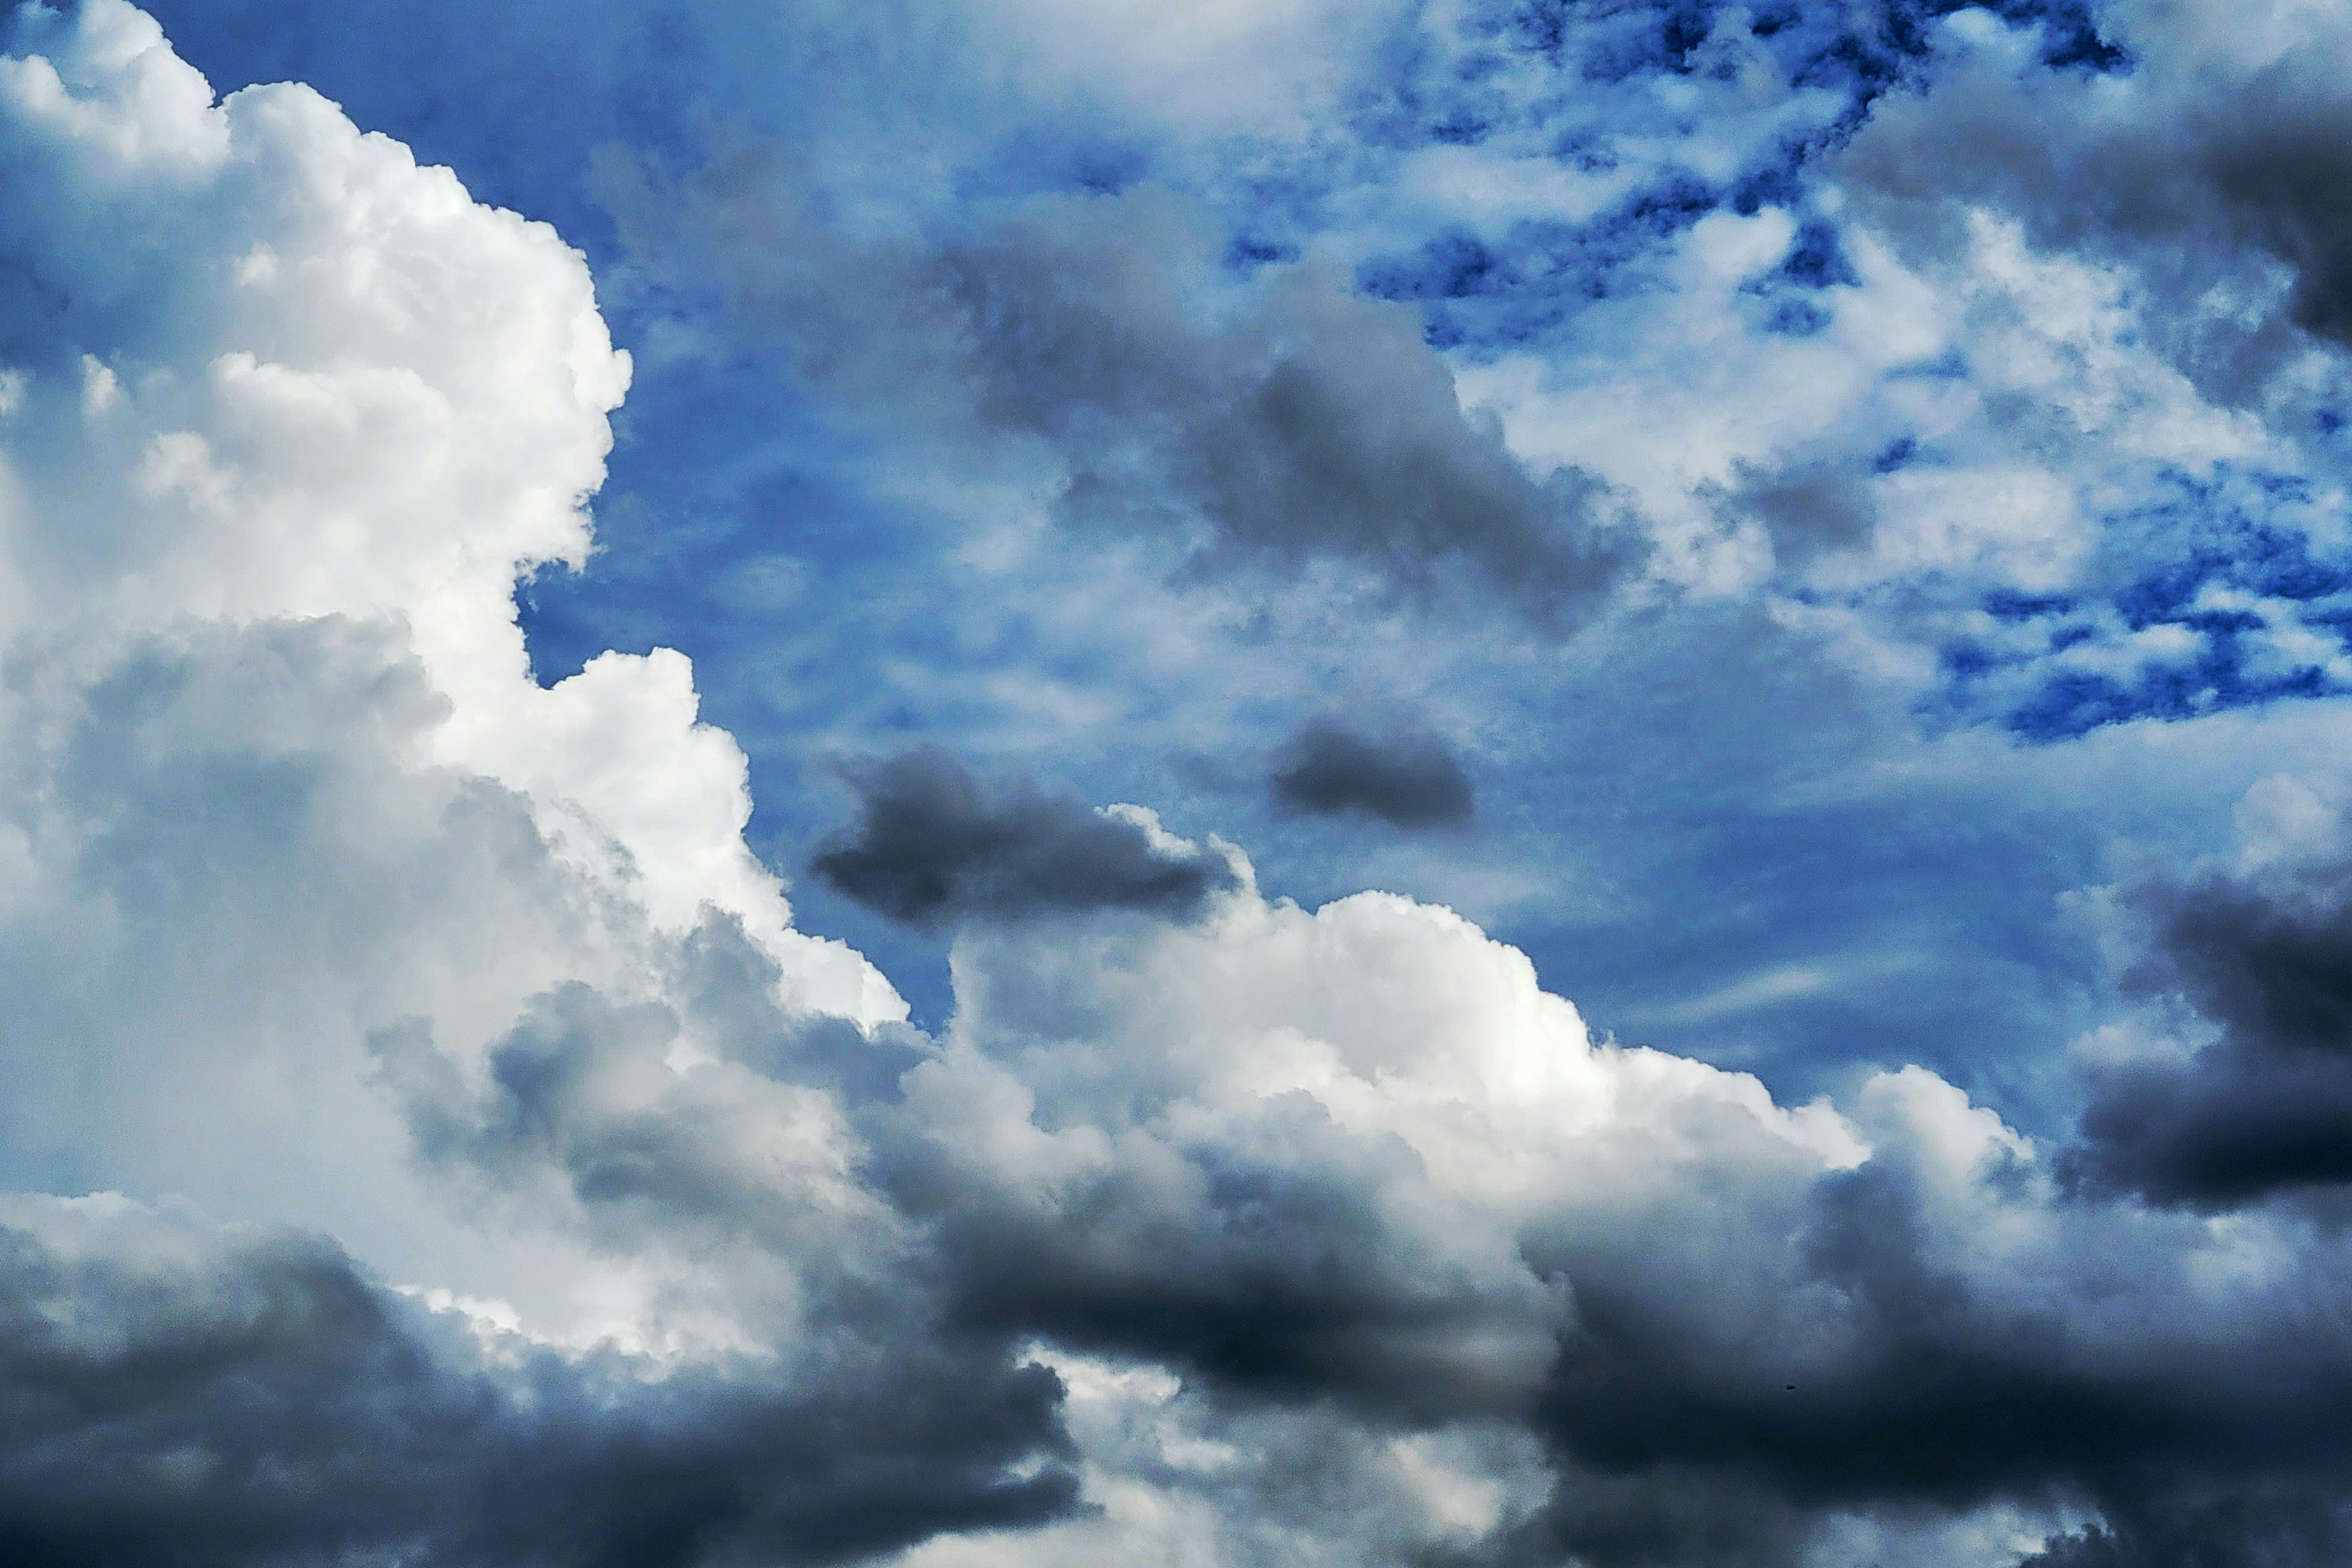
pixel 2262 954
pixel 179 1395
pixel 1275 421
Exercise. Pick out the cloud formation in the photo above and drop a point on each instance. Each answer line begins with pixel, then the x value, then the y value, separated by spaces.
pixel 1404 780
pixel 516 1185
pixel 182 1395
pixel 931 846
pixel 2260 953
pixel 1278 420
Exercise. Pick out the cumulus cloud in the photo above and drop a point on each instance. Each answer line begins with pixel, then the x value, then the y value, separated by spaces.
pixel 931 846
pixel 1402 779
pixel 1357 1157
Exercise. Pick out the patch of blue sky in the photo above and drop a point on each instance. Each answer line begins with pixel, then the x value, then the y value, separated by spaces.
pixel 1578 175
pixel 2216 596
pixel 1562 146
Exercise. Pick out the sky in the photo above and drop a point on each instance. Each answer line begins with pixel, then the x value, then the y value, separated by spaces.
pixel 1010 783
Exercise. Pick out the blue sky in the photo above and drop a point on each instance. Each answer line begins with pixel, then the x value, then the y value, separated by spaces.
pixel 1233 566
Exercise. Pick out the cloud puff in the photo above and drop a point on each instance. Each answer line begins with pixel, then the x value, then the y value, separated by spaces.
pixel 278 777
pixel 1404 780
pixel 931 846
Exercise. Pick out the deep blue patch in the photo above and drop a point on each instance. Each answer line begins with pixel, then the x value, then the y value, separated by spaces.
pixel 1898 454
pixel 1816 259
pixel 2265 560
pixel 2075 704
pixel 1776 182
pixel 1247 255
pixel 1428 96
pixel 1661 211
pixel 1585 153
pixel 1967 660
pixel 2235 532
pixel 1462 129
pixel 1622 44
pixel 1797 319
pixel 1451 267
pixel 2012 608
pixel 2073 635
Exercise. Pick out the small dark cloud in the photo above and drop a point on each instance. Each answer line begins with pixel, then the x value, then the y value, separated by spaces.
pixel 2267 1106
pixel 1405 780
pixel 932 845
pixel 1807 508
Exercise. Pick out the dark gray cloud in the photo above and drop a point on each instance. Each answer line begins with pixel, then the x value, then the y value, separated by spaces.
pixel 1279 1274
pixel 2215 150
pixel 2260 1526
pixel 1272 422
pixel 1404 779
pixel 253 1399
pixel 1942 1394
pixel 2267 1106
pixel 1807 508
pixel 933 846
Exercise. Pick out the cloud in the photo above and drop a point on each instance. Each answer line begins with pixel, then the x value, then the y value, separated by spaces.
pixel 931 846
pixel 1806 508
pixel 1355 1159
pixel 2262 1524
pixel 2260 951
pixel 1404 780
pixel 178 1394
pixel 2224 145
pixel 1279 1234
pixel 1272 422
